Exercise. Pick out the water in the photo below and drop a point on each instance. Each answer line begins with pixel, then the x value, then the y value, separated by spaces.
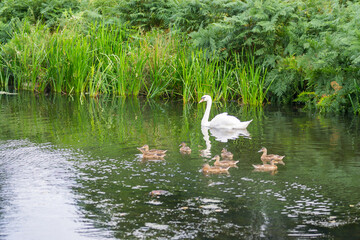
pixel 69 169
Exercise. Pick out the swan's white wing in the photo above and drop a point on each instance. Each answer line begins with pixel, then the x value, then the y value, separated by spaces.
pixel 224 120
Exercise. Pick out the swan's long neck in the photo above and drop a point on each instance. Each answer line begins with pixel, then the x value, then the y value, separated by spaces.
pixel 205 119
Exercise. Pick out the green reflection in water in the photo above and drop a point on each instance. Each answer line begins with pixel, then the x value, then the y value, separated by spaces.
pixel 316 194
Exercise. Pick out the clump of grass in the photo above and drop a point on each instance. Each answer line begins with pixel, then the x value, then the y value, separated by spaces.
pixel 104 60
pixel 185 71
pixel 136 68
pixel 160 49
pixel 68 62
pixel 23 56
pixel 4 76
pixel 205 74
pixel 250 81
pixel 355 104
pixel 224 77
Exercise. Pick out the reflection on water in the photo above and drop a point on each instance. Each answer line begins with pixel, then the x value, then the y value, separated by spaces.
pixel 207 151
pixel 224 135
pixel 221 135
pixel 36 194
pixel 72 170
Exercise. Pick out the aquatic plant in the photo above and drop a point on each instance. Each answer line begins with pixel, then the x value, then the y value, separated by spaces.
pixel 355 99
pixel 250 80
pixel 22 58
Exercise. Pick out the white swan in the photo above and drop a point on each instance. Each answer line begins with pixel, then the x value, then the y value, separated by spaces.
pixel 222 120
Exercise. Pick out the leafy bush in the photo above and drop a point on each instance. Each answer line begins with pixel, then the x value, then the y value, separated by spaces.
pixel 49 11
pixel 259 25
pixel 144 13
pixel 192 15
pixel 6 30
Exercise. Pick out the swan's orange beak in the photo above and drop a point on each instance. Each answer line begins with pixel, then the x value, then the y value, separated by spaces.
pixel 201 100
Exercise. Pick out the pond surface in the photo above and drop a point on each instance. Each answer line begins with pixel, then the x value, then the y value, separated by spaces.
pixel 69 169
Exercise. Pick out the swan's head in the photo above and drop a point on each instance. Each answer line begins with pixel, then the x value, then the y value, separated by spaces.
pixel 205 98
pixel 183 144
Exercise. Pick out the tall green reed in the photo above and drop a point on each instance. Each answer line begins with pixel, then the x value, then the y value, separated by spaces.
pixel 250 80
pixel 159 67
pixel 137 63
pixel 126 71
pixel 104 60
pixel 69 59
pixel 56 64
pixel 76 59
pixel 185 70
pixel 205 74
pixel 119 73
pixel 4 76
pixel 109 65
pixel 224 74
pixel 355 100
pixel 24 55
pixel 97 80
pixel 80 57
pixel 197 73
pixel 201 74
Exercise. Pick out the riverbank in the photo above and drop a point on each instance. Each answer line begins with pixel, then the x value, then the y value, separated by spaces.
pixel 111 60
pixel 251 52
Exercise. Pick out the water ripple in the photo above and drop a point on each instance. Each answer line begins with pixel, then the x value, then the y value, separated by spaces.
pixel 36 193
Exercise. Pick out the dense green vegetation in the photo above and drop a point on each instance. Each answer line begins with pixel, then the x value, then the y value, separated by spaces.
pixel 256 51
